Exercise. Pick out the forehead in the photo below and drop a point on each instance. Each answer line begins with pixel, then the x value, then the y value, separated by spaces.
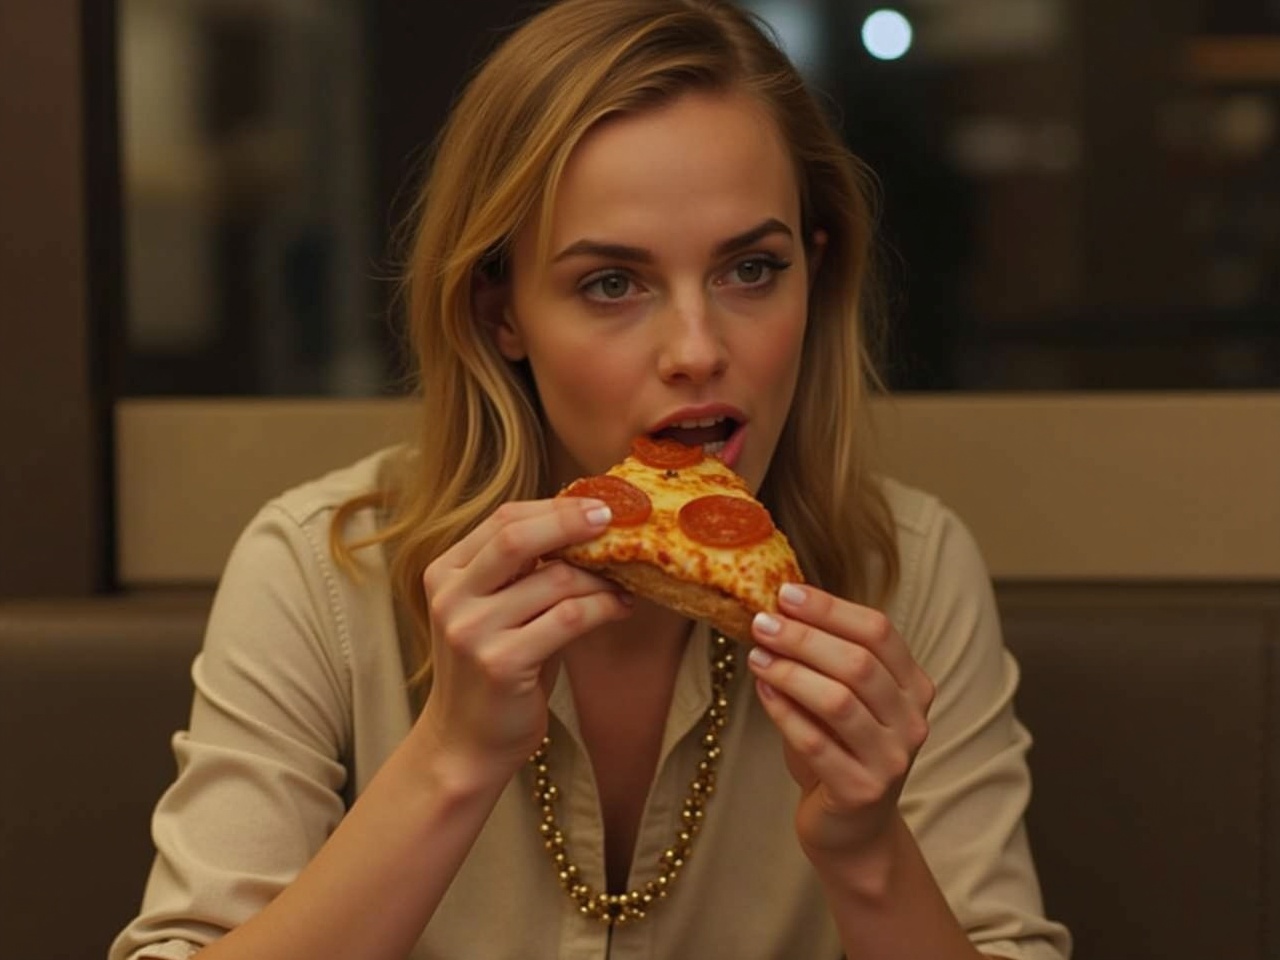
pixel 704 161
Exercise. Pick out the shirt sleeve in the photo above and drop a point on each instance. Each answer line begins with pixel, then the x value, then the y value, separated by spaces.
pixel 968 791
pixel 261 771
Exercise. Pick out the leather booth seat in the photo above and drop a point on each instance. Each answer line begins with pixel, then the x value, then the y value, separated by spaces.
pixel 1155 712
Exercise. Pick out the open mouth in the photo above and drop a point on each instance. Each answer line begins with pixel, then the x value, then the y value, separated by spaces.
pixel 709 433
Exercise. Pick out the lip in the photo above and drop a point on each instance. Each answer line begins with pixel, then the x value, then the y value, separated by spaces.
pixel 733 446
pixel 698 413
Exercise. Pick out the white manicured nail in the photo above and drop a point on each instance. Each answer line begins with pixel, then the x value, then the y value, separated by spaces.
pixel 760 657
pixel 791 594
pixel 599 516
pixel 767 624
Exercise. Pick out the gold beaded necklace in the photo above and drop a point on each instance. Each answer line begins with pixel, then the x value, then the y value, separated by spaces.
pixel 619 908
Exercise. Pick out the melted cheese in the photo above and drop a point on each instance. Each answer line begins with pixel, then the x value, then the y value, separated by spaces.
pixel 751 574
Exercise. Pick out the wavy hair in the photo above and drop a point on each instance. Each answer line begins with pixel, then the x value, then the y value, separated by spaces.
pixel 497 163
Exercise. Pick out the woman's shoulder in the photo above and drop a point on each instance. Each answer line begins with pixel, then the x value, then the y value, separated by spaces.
pixel 920 518
pixel 295 528
pixel 915 512
pixel 937 552
pixel 317 499
pixel 283 564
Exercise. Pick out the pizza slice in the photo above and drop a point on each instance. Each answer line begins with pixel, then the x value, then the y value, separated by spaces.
pixel 686 533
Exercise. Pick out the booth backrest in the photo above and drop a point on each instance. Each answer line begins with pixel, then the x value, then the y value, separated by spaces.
pixel 1155 713
pixel 1155 819
pixel 90 693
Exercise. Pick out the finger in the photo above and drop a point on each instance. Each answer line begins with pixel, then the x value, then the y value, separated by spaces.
pixel 846 777
pixel 531 596
pixel 834 707
pixel 866 626
pixel 465 550
pixel 484 630
pixel 515 545
pixel 853 667
pixel 568 619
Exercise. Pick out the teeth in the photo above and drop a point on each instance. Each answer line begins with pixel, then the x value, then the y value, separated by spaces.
pixel 711 449
pixel 695 424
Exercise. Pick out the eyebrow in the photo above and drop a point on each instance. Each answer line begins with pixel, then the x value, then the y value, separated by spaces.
pixel 618 251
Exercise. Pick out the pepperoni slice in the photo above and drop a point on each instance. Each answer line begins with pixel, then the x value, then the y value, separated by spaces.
pixel 630 505
pixel 721 521
pixel 664 453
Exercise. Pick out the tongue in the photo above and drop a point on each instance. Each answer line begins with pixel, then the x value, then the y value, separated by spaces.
pixel 698 436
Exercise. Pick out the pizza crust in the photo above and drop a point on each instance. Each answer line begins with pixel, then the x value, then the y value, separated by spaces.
pixel 698 602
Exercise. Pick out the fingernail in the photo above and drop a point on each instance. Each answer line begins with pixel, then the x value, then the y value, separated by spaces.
pixel 791 594
pixel 767 624
pixel 760 657
pixel 599 516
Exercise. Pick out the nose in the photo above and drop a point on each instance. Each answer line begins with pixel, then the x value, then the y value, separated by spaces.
pixel 691 348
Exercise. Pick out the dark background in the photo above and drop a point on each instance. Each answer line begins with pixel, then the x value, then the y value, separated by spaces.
pixel 1122 236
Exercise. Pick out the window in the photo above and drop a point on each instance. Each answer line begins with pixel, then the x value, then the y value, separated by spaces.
pixel 1077 194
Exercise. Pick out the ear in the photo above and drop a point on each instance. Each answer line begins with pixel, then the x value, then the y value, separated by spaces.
pixel 491 301
pixel 814 251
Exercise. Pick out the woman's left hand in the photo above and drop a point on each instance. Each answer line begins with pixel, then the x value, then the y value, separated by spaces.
pixel 851 704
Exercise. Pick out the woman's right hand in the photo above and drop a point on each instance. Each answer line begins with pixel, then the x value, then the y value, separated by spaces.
pixel 499 618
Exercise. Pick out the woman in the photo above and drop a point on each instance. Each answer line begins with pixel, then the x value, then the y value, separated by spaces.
pixel 637 219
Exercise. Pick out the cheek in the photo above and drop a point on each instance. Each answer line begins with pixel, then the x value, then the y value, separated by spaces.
pixel 585 389
pixel 577 372
pixel 776 352
pixel 585 399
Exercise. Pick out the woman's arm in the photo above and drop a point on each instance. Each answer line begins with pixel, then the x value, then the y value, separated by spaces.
pixel 886 904
pixel 498 619
pixel 374 885
pixel 910 761
pixel 258 856
pixel 851 705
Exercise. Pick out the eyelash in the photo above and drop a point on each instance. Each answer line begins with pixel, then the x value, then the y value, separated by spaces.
pixel 598 278
pixel 774 265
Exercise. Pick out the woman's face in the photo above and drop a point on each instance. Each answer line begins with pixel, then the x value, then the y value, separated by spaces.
pixel 674 295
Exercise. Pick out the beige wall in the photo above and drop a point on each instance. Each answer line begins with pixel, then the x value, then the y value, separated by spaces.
pixel 1090 486
pixel 1080 487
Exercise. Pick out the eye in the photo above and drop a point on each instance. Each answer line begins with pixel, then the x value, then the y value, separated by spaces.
pixel 608 286
pixel 756 272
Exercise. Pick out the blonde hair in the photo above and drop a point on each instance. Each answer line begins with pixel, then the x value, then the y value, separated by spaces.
pixel 497 163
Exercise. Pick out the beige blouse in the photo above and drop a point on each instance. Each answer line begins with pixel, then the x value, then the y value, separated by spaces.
pixel 300 696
